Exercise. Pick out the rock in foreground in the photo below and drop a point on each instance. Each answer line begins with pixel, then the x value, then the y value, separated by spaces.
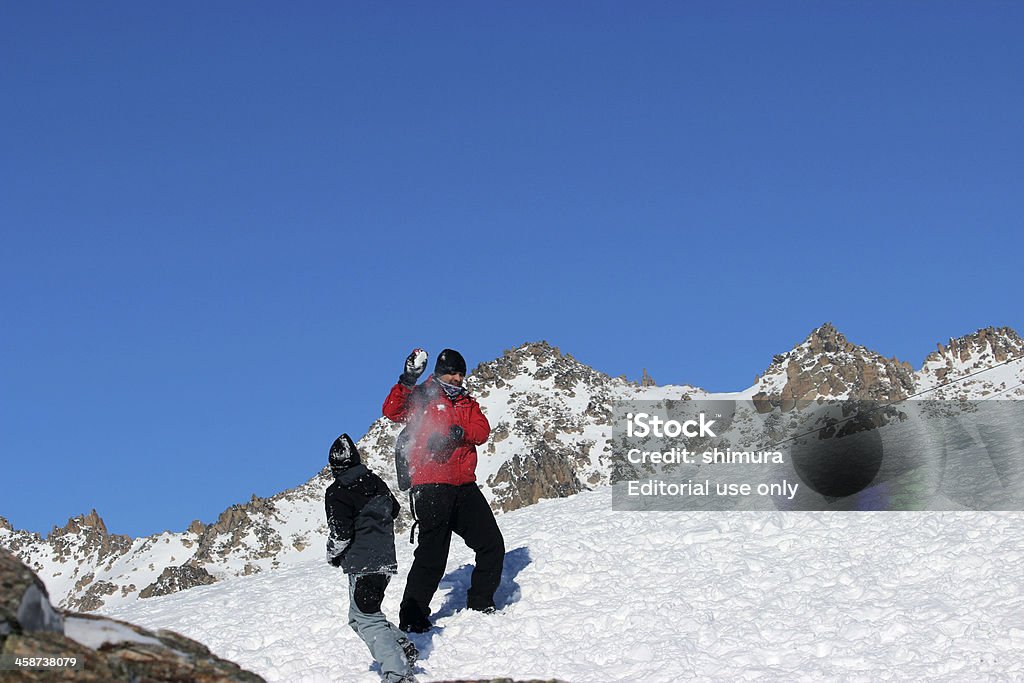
pixel 106 649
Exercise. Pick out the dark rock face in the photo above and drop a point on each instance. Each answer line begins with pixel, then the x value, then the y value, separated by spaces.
pixel 31 627
pixel 24 602
pixel 174 579
pixel 526 479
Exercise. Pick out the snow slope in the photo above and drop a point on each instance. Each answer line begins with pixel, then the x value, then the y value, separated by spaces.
pixel 595 595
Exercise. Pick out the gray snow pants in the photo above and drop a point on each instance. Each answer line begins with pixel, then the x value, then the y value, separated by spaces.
pixel 365 594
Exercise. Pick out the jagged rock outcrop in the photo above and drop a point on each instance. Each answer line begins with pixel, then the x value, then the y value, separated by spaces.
pixel 526 479
pixel 241 526
pixel 87 534
pixel 174 579
pixel 827 365
pixel 964 356
pixel 107 649
pixel 988 344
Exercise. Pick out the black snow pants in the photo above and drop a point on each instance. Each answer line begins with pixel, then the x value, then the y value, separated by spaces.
pixel 442 509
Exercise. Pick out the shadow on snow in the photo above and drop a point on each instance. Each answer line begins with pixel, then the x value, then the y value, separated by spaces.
pixel 458 582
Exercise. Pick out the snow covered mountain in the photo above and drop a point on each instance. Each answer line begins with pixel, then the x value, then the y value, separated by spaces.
pixel 550 416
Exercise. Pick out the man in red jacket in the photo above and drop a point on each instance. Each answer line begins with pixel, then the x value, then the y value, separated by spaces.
pixel 445 425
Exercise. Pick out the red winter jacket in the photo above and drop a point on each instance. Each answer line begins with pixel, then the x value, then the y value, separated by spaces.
pixel 429 411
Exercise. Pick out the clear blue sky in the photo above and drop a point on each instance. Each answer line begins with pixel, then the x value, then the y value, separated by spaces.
pixel 225 224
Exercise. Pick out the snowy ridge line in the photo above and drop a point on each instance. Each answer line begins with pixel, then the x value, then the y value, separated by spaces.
pixel 551 430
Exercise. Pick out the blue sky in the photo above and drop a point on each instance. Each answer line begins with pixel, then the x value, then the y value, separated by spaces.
pixel 224 226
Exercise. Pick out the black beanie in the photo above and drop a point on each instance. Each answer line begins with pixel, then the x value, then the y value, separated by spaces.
pixel 449 362
pixel 343 453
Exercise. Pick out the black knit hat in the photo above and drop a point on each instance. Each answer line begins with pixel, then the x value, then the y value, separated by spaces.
pixel 343 454
pixel 449 362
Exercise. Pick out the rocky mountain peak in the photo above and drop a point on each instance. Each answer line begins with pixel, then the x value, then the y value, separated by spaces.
pixel 87 535
pixel 91 524
pixel 827 339
pixel 4 524
pixel 827 365
pixel 536 361
pixel 530 355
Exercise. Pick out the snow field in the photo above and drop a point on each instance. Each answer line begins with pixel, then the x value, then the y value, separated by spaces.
pixel 589 594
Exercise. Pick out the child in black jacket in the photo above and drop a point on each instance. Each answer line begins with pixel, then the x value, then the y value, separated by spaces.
pixel 360 518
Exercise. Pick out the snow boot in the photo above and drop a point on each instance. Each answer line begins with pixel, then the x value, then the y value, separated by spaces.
pixel 478 605
pixel 411 653
pixel 412 620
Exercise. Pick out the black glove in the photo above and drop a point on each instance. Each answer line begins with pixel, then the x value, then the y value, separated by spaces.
pixel 415 364
pixel 455 434
pixel 335 561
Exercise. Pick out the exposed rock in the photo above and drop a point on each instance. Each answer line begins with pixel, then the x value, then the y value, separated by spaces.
pixel 647 381
pixel 93 596
pixel 987 346
pixel 174 579
pixel 827 365
pixel 948 371
pixel 499 433
pixel 84 581
pixel 109 650
pixel 526 479
pixel 234 526
pixel 85 535
pixel 4 524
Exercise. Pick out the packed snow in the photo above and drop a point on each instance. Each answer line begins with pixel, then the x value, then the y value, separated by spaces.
pixel 95 633
pixel 589 594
